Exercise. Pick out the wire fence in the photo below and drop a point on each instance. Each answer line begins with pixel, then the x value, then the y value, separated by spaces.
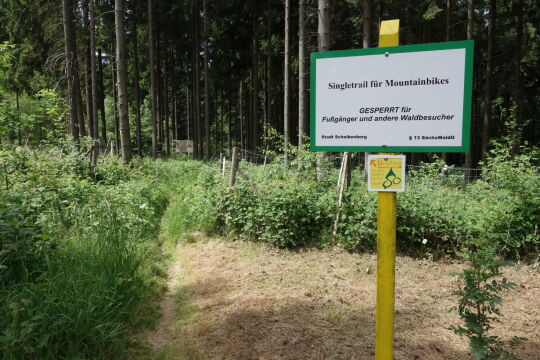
pixel 450 175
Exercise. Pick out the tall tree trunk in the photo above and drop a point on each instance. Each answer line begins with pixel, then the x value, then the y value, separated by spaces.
pixel 196 81
pixel 137 90
pixel 151 47
pixel 121 66
pixel 93 73
pixel 174 117
pixel 88 70
pixel 78 98
pixel 519 40
pixel 88 87
pixel 222 122
pixel 448 19
pixel 159 90
pixel 366 43
pixel 166 112
pixel 229 125
pixel 302 74
pixel 93 68
pixel 286 120
pixel 469 156
pixel 489 78
pixel 249 106
pixel 77 84
pixel 323 31
pixel 67 11
pixel 254 82
pixel 206 96
pixel 366 35
pixel 102 99
pixel 115 99
pixel 268 76
pixel 445 156
pixel 189 115
pixel 470 19
pixel 324 25
pixel 17 107
pixel 241 114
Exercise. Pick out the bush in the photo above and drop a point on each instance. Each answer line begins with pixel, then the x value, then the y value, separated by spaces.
pixel 434 219
pixel 193 206
pixel 285 206
pixel 510 202
pixel 78 256
pixel 479 301
pixel 357 230
pixel 276 208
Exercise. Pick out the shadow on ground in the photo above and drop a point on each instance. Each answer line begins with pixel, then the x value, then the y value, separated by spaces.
pixel 257 303
pixel 290 328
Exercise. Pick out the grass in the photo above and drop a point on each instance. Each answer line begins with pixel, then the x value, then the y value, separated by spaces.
pixel 82 306
pixel 244 300
pixel 178 351
pixel 175 310
pixel 104 267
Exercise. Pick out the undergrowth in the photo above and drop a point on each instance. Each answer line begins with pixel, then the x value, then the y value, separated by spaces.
pixel 437 216
pixel 79 259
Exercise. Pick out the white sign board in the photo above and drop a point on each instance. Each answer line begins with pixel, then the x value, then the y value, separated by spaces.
pixel 405 98
pixel 184 146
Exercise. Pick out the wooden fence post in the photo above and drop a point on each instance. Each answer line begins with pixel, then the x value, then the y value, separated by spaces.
pixel 234 166
pixel 221 158
pixel 343 183
pixel 223 166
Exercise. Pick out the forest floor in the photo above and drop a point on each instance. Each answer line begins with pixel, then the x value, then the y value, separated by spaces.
pixel 239 300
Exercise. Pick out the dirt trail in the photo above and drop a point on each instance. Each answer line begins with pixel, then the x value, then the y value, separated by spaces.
pixel 165 331
pixel 246 301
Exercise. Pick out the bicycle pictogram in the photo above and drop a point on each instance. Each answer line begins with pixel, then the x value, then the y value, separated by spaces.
pixel 391 179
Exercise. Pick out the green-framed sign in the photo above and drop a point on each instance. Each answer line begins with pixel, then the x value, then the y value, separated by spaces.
pixel 412 98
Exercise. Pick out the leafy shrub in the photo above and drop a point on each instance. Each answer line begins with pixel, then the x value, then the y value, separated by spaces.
pixel 24 249
pixel 479 301
pixel 357 229
pixel 78 257
pixel 278 209
pixel 436 217
pixel 193 206
pixel 511 199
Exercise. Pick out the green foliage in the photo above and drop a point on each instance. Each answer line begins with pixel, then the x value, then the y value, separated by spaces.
pixel 479 301
pixel 43 118
pixel 283 213
pixel 438 215
pixel 193 206
pixel 277 206
pixel 357 229
pixel 432 11
pixel 510 200
pixel 35 119
pixel 434 218
pixel 78 256
pixel 6 59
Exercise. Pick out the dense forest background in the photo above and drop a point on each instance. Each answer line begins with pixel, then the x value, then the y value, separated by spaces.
pixel 133 76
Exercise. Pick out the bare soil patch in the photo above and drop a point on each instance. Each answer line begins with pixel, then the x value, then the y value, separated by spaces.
pixel 256 302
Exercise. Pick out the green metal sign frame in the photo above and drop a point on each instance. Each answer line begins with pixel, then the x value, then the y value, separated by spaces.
pixel 468 45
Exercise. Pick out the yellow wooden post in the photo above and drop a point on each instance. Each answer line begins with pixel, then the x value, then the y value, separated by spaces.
pixel 386 242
